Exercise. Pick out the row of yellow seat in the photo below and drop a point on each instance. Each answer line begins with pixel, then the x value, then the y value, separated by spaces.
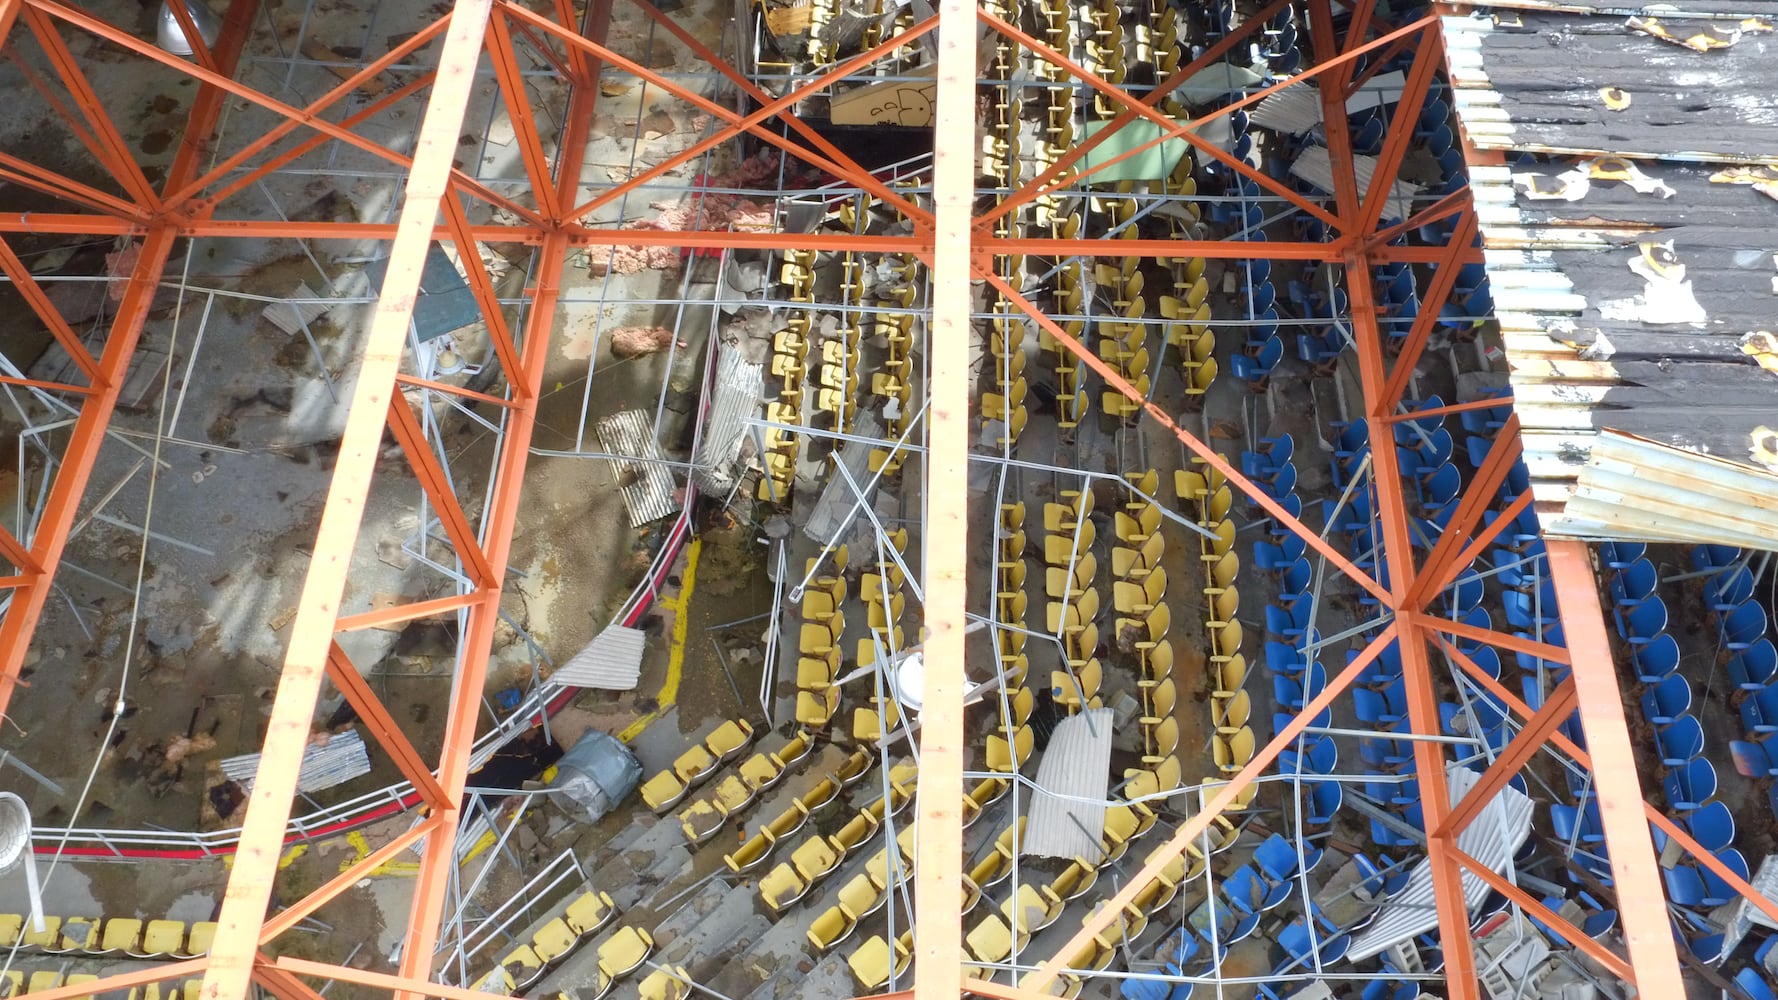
pixel 666 789
pixel 619 955
pixel 1123 341
pixel 790 352
pixel 1139 595
pixel 1070 398
pixel 1074 608
pixel 820 797
pixel 817 857
pixel 895 383
pixel 704 817
pixel 524 964
pixel 1205 492
pixel 819 643
pixel 108 936
pixel 883 603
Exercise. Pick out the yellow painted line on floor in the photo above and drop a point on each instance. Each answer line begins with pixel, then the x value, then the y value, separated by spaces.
pixel 361 849
pixel 669 695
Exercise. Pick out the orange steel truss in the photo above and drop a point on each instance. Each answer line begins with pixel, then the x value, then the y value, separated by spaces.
pixel 958 247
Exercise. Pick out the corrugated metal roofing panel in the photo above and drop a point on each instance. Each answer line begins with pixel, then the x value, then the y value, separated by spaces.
pixel 1067 818
pixel 1314 166
pixel 739 386
pixel 339 760
pixel 647 486
pixel 612 661
pixel 1492 838
pixel 1631 487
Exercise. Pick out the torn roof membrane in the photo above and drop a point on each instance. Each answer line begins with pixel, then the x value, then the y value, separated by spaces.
pixel 1631 221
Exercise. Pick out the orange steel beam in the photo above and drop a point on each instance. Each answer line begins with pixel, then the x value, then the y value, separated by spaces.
pixel 151 972
pixel 1207 58
pixel 1401 127
pixel 1444 279
pixel 1033 988
pixel 1440 569
pixel 34 296
pixel 293 709
pixel 1482 403
pixel 1480 543
pixel 110 33
pixel 1446 206
pixel 1236 479
pixel 1532 738
pixel 1119 95
pixel 1174 130
pixel 347 87
pixel 376 718
pixel 282 983
pixel 411 611
pixel 437 486
pixel 76 467
pixel 1642 900
pixel 938 935
pixel 524 121
pixel 439 861
pixel 1537 911
pixel 1567 746
pixel 33 383
pixel 54 184
pixel 401 985
pixel 16 553
pixel 1530 647
pixel 90 225
pixel 735 123
pixel 1393 511
pixel 112 150
pixel 487 300
pixel 415 382
pixel 776 108
pixel 899 200
pixel 299 911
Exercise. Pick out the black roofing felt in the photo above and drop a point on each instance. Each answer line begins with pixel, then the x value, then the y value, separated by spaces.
pixel 1693 200
pixel 1661 8
pixel 1549 68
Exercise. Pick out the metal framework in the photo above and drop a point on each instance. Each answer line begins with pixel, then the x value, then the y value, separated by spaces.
pixel 957 247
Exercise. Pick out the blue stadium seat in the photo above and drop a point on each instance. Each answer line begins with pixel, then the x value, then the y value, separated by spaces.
pixel 1682 742
pixel 1754 667
pixel 1667 701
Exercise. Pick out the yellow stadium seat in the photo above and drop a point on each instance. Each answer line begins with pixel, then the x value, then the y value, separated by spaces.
pixel 198 942
pixel 78 934
pixel 830 927
pixel 854 834
pixel 625 951
pixel 781 887
pixel 749 855
pixel 46 939
pixel 125 934
pixel 990 940
pixel 1233 751
pixel 816 708
pixel 663 791
pixel 671 982
pixel 523 966
pixel 553 940
pixel 815 859
pixel 872 961
pixel 590 912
